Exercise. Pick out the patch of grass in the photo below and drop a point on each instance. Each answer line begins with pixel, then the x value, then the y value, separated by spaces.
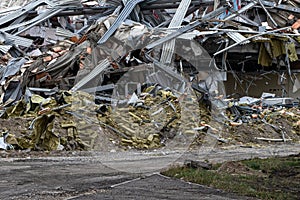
pixel 216 166
pixel 276 178
pixel 271 165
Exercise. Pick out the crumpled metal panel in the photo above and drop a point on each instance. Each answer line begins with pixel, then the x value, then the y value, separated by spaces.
pixel 95 72
pixel 237 37
pixel 123 15
pixel 174 34
pixel 14 15
pixel 65 63
pixel 54 7
pixel 9 39
pixel 30 23
pixel 10 3
pixel 5 48
pixel 13 67
pixel 13 93
pixel 168 48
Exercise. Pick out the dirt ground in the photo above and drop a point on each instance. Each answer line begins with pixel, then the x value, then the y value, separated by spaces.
pixel 99 175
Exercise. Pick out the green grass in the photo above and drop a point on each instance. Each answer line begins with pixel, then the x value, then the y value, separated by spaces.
pixel 273 164
pixel 273 178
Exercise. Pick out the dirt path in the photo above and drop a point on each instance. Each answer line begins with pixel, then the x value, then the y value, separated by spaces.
pixel 93 176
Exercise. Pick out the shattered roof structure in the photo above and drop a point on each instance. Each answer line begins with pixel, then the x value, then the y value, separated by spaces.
pixel 136 52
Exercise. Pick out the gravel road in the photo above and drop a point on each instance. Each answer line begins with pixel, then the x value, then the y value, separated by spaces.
pixel 120 175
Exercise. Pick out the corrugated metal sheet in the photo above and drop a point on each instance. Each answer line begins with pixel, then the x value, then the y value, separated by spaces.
pixel 23 10
pixel 95 72
pixel 11 3
pixel 123 15
pixel 50 13
pixel 237 37
pixel 64 33
pixel 5 11
pixel 168 48
pixel 53 4
pixel 5 48
pixel 173 34
pixel 19 41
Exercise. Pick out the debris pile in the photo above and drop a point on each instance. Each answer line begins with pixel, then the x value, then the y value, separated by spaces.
pixel 155 115
pixel 147 72
pixel 257 124
pixel 45 123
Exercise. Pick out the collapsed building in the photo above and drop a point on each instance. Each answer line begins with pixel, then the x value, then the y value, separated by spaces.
pixel 68 62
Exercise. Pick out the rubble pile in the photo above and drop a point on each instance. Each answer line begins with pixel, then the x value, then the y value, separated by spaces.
pixel 45 123
pixel 72 69
pixel 271 124
pixel 154 116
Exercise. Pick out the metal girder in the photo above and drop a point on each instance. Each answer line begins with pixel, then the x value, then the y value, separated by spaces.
pixel 243 9
pixel 281 7
pixel 174 34
pixel 215 13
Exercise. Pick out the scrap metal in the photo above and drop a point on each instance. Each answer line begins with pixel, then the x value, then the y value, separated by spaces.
pixel 123 15
pixel 67 59
pixel 168 48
